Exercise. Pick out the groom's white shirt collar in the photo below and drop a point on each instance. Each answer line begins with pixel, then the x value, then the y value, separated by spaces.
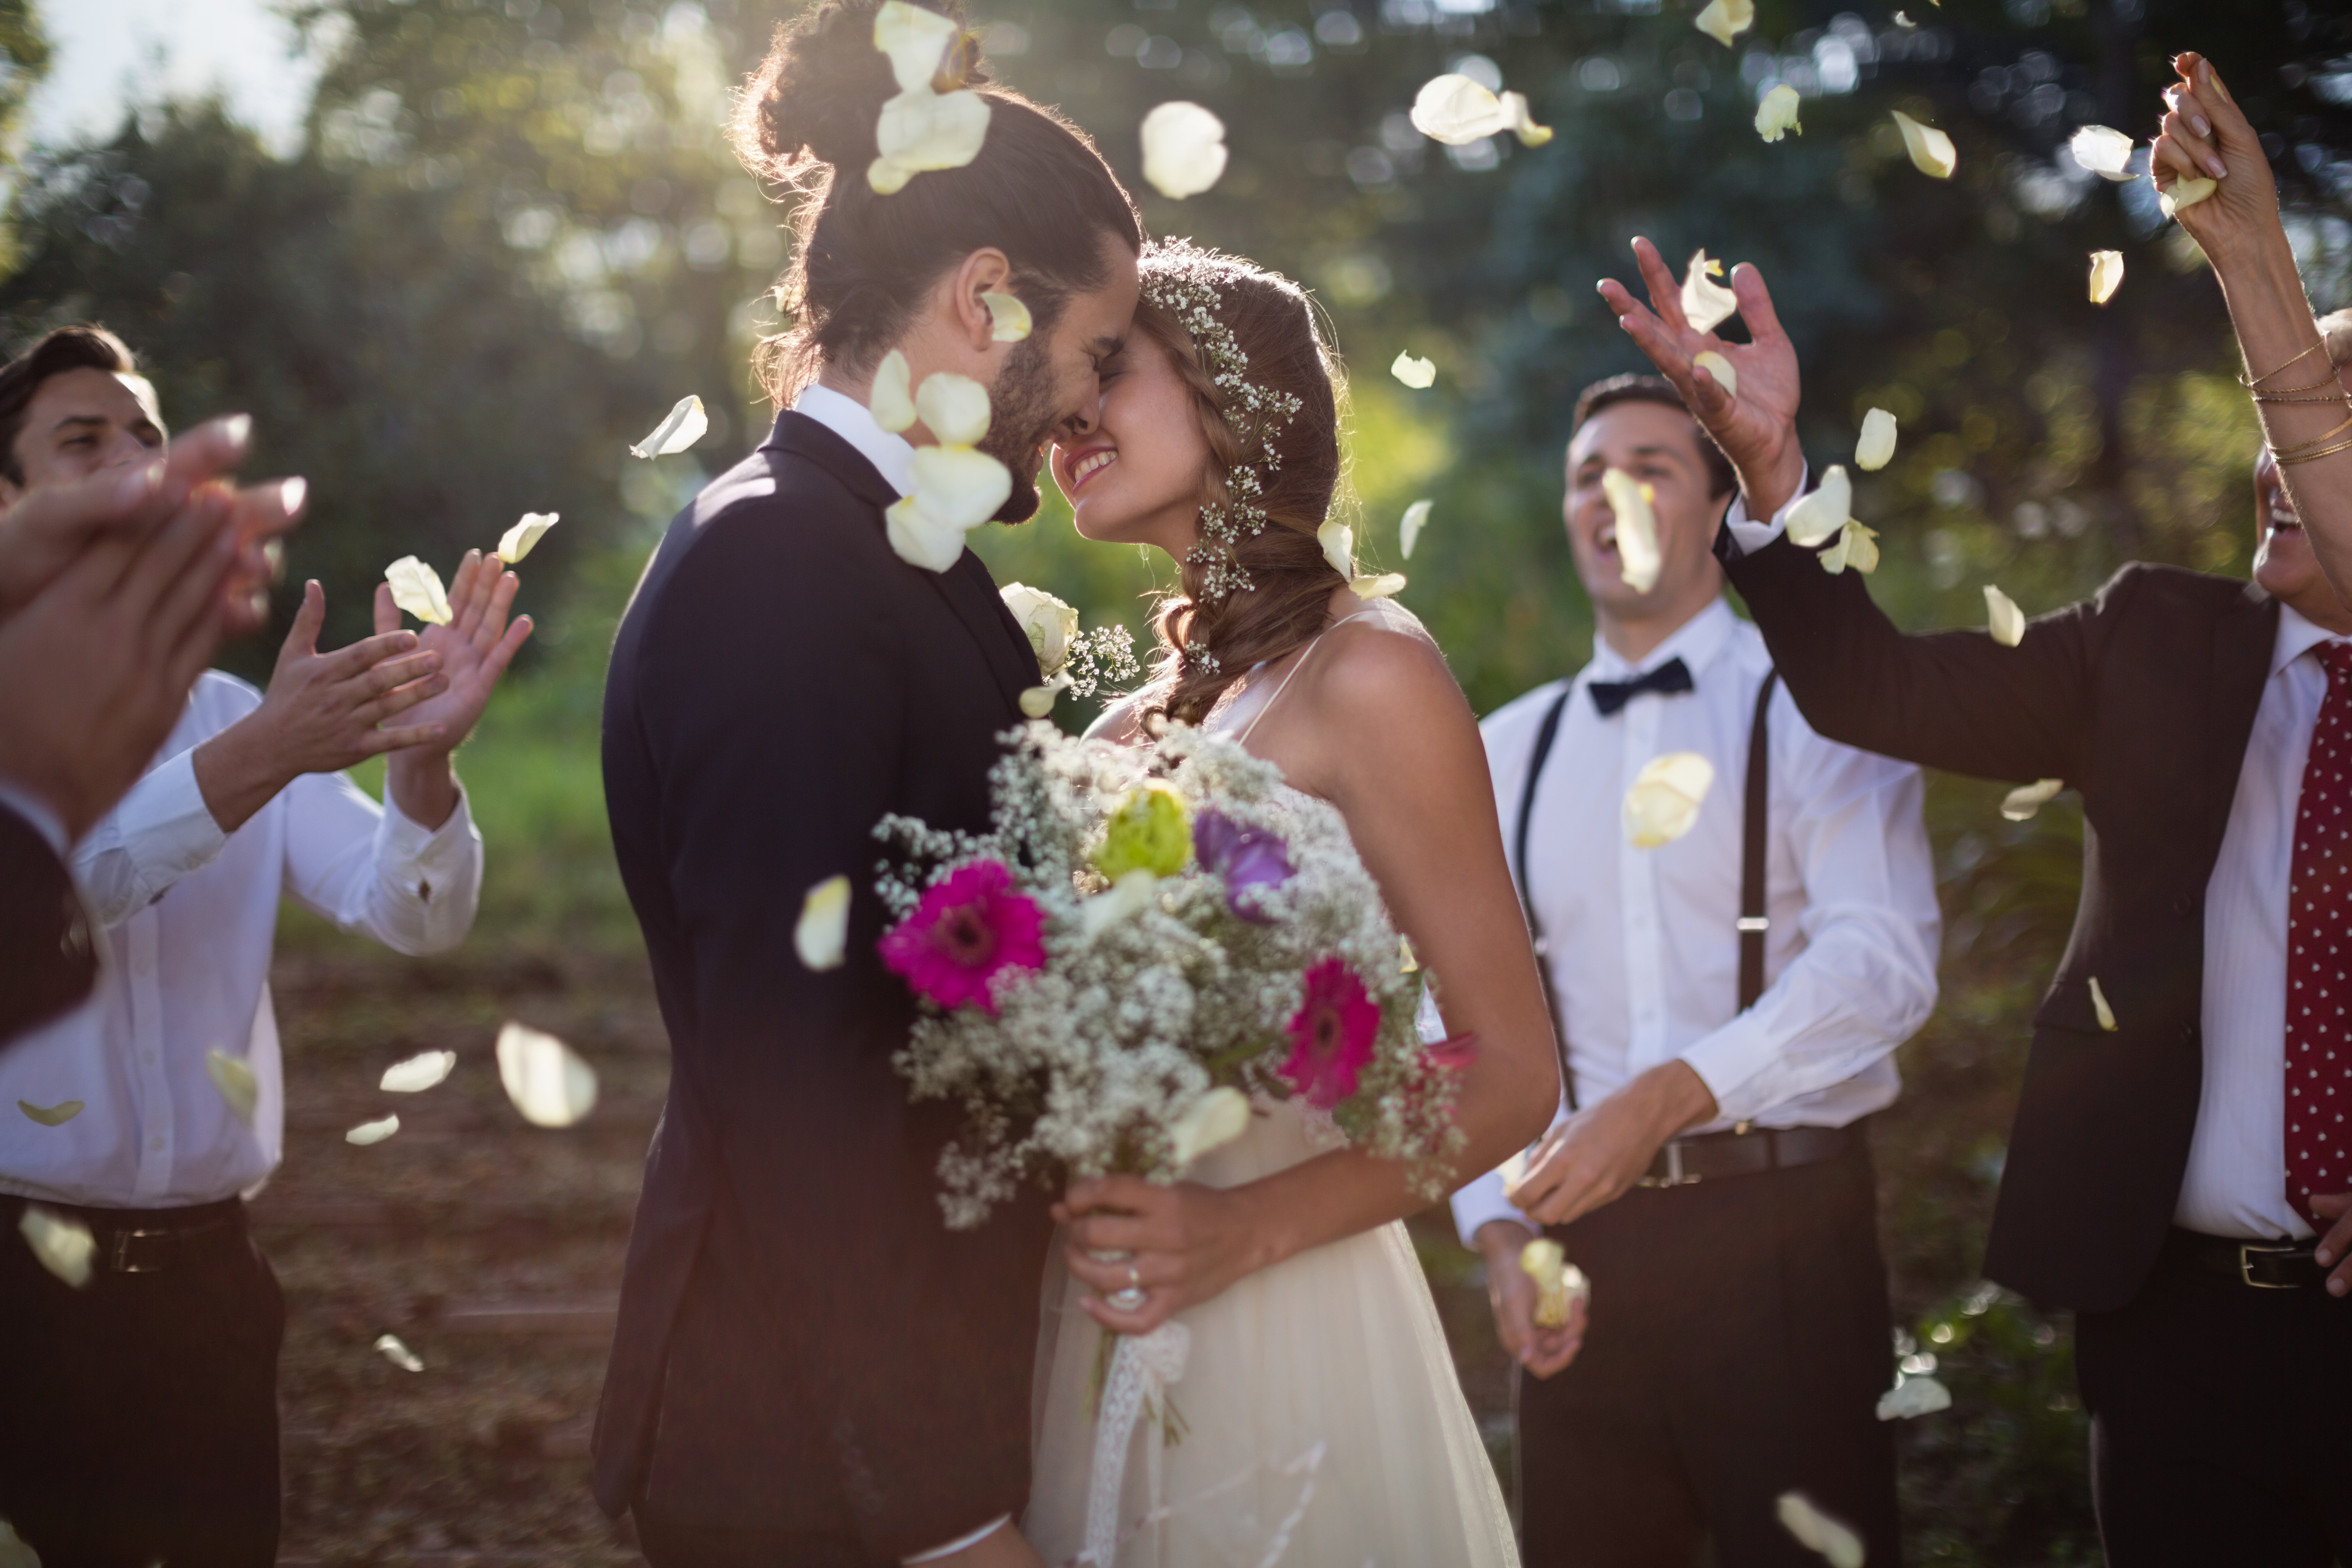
pixel 893 457
pixel 1695 642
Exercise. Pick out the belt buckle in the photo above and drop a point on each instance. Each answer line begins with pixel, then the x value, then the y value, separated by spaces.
pixel 2247 1252
pixel 118 1253
pixel 1674 1176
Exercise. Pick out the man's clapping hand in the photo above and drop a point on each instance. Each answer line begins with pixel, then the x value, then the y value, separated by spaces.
pixel 473 650
pixel 2335 1242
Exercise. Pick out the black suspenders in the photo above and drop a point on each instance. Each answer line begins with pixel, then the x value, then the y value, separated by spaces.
pixel 1755 840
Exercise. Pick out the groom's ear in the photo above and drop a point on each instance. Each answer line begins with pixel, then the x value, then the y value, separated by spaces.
pixel 985 272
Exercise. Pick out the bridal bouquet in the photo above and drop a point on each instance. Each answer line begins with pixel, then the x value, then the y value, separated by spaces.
pixel 1145 940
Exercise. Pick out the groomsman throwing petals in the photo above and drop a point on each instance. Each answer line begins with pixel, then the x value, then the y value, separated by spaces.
pixel 1727 1004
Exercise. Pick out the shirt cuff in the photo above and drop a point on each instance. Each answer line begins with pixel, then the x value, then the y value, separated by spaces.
pixel 414 854
pixel 960 1543
pixel 1731 1062
pixel 1752 536
pixel 1482 1203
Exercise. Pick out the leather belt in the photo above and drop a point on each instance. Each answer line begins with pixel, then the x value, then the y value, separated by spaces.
pixel 2260 1265
pixel 152 1241
pixel 1745 1150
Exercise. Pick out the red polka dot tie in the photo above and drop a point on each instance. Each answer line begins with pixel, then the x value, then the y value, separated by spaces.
pixel 2318 926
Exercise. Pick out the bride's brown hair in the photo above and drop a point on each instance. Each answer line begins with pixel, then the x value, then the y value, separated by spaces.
pixel 1258 584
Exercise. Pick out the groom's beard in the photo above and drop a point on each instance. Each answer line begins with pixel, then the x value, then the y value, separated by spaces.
pixel 1022 415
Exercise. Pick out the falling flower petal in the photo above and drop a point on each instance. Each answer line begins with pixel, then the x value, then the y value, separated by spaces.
pixel 375 1131
pixel 922 131
pixel 1776 113
pixel 1715 365
pixel 62 1243
pixel 681 428
pixel 1638 558
pixel 2103 152
pixel 1724 20
pixel 1930 149
pixel 1856 547
pixel 933 543
pixel 56 1115
pixel 418 1073
pixel 1707 303
pixel 2106 275
pixel 1009 317
pixel 1913 1396
pixel 517 540
pixel 1050 624
pixel 823 934
pixel 2019 803
pixel 1183 149
pixel 1816 518
pixel 416 588
pixel 1211 1122
pixel 892 400
pixel 1418 373
pixel 400 1355
pixel 1339 542
pixel 1457 109
pixel 1817 1532
pixel 1037 702
pixel 233 1079
pixel 2184 194
pixel 1902 21
pixel 953 407
pixel 916 40
pixel 1416 518
pixel 1520 120
pixel 1385 585
pixel 2002 616
pixel 545 1078
pixel 2107 1014
pixel 1663 803
pixel 960 484
pixel 1875 448
pixel 1130 894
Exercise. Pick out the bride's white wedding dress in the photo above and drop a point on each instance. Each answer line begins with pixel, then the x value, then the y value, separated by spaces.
pixel 1322 1425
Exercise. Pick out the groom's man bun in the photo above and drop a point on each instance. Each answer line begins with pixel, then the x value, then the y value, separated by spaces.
pixel 862 262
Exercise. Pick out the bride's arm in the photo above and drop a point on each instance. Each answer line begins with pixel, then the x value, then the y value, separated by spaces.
pixel 1384 733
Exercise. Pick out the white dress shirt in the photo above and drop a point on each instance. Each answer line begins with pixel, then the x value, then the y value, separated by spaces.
pixel 1644 951
pixel 191 914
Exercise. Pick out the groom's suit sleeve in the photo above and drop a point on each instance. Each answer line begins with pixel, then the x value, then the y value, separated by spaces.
pixel 787 673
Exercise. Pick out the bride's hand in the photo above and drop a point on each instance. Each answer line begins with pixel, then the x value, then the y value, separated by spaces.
pixel 1188 1242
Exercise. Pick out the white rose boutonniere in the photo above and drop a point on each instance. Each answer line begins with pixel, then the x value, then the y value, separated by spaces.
pixel 1050 624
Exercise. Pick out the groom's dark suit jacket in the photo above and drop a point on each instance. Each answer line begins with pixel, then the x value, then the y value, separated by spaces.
pixel 2141 699
pixel 804 1346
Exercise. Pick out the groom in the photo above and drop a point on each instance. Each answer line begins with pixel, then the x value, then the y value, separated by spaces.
pixel 809 1367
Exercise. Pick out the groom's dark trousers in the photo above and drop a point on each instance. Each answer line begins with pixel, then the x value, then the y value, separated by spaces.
pixel 809 1366
pixel 2222 1412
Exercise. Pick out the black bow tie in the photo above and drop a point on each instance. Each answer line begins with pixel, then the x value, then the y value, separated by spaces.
pixel 1671 679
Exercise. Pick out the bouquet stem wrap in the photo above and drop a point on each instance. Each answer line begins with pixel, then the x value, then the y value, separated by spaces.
pixel 1141 1368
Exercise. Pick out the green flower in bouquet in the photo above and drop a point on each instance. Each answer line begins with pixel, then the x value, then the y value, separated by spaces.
pixel 1151 830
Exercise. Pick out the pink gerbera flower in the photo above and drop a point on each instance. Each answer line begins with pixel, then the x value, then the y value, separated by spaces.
pixel 1331 1034
pixel 967 930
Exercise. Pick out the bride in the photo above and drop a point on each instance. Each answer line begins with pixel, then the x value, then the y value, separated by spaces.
pixel 1318 1420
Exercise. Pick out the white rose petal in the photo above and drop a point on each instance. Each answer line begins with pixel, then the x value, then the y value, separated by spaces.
pixel 2103 152
pixel 2184 194
pixel 953 407
pixel 1719 367
pixel 517 542
pixel 2019 803
pixel 56 1115
pixel 1521 122
pixel 1856 547
pixel 681 428
pixel 233 1079
pixel 1211 1122
pixel 822 937
pixel 1009 319
pixel 1130 895
pixel 1457 109
pixel 922 539
pixel 1050 624
pixel 1706 304
pixel 545 1078
pixel 1724 20
pixel 1037 702
pixel 1816 518
pixel 2106 1015
pixel 892 399
pixel 960 485
pixel 1913 1396
pixel 1639 561
pixel 1776 113
pixel 1817 1532
pixel 2106 275
pixel 916 40
pixel 400 1355
pixel 1930 149
pixel 1416 518
pixel 418 1073
pixel 1339 542
pixel 1183 149
pixel 375 1131
pixel 62 1243
pixel 1418 373
pixel 2002 616
pixel 1387 584
pixel 1875 448
pixel 921 131
pixel 1663 803
pixel 416 588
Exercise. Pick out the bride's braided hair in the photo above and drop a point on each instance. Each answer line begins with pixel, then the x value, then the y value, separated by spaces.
pixel 1267 386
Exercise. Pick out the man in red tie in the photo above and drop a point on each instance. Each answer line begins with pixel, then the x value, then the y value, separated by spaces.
pixel 2181 1139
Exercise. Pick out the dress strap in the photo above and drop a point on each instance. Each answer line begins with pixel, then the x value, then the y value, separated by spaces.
pixel 1306 653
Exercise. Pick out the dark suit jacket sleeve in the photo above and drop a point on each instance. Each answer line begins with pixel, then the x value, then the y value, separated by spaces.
pixel 1954 699
pixel 781 724
pixel 47 962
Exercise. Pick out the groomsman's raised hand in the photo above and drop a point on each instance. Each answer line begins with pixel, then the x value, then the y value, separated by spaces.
pixel 1758 428
pixel 2336 1243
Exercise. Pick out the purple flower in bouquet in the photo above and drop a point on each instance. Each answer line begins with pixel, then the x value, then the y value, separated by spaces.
pixel 1331 1034
pixel 968 928
pixel 1251 860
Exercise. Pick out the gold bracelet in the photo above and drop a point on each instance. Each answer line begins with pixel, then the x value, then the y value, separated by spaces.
pixel 2315 440
pixel 2311 457
pixel 2257 381
pixel 2338 395
pixel 2274 393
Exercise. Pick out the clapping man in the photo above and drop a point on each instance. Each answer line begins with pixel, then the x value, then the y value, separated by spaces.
pixel 1728 1004
pixel 157 1378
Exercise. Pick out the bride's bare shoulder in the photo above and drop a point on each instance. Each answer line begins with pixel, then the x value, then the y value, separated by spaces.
pixel 1121 723
pixel 1384 666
